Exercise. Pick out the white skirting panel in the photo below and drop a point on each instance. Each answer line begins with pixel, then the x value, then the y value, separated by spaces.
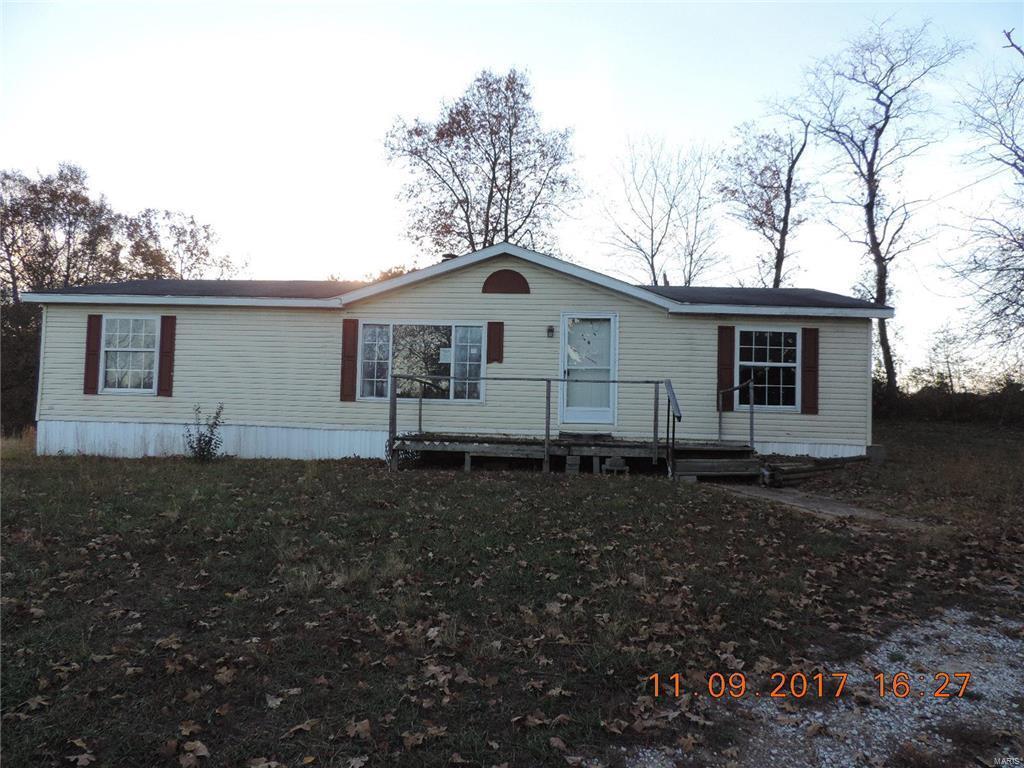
pixel 135 439
pixel 817 450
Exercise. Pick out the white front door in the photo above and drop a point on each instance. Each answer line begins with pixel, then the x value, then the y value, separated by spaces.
pixel 588 362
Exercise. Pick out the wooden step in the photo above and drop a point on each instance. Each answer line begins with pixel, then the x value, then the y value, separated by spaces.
pixel 696 449
pixel 778 474
pixel 748 467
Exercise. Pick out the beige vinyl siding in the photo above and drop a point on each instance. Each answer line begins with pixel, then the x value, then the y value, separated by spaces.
pixel 281 367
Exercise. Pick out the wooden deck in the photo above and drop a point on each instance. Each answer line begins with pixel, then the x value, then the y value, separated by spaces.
pixel 566 445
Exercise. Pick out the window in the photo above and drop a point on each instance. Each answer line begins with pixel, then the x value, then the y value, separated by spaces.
pixel 467 358
pixel 449 358
pixel 423 350
pixel 129 354
pixel 376 348
pixel 770 358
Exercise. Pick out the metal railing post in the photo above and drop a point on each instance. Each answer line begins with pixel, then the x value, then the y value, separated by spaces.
pixel 657 404
pixel 720 401
pixel 419 419
pixel 750 400
pixel 672 449
pixel 393 422
pixel 668 435
pixel 547 425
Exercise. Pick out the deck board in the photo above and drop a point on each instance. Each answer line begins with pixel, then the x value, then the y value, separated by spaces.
pixel 562 445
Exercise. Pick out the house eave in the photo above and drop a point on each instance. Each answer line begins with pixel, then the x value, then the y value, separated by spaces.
pixel 200 301
pixel 745 309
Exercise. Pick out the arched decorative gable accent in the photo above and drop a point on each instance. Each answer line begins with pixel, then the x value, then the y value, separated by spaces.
pixel 505 281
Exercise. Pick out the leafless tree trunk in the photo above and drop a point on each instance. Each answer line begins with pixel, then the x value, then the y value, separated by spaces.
pixel 698 216
pixel 868 103
pixel 994 266
pixel 760 180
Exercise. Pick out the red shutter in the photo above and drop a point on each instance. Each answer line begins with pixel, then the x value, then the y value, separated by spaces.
pixel 349 358
pixel 726 366
pixel 809 370
pixel 495 342
pixel 93 334
pixel 165 372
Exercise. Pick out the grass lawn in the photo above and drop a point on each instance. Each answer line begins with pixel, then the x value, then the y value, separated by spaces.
pixel 159 612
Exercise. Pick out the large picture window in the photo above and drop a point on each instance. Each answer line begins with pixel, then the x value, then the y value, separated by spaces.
pixel 770 358
pixel 129 354
pixel 448 358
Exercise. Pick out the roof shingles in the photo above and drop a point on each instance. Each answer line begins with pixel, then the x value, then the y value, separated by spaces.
pixel 250 289
pixel 795 298
pixel 760 297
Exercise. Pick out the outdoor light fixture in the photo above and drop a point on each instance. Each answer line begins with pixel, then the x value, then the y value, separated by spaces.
pixel 551 331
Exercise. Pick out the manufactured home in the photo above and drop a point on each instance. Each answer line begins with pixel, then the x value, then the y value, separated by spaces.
pixel 503 351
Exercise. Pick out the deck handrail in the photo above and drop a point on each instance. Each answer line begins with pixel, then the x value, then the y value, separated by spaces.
pixel 674 414
pixel 749 384
pixel 670 392
pixel 672 404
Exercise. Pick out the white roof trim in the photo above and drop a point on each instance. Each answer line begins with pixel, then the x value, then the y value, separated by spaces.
pixel 747 309
pixel 590 276
pixel 208 301
pixel 436 270
pixel 507 249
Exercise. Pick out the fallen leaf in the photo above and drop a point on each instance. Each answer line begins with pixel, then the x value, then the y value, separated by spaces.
pixel 412 740
pixel 273 702
pixel 197 748
pixel 305 726
pixel 358 730
pixel 169 643
pixel 814 729
pixel 189 727
pixel 36 702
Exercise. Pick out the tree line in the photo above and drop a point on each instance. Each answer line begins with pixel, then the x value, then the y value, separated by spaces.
pixel 57 233
pixel 486 170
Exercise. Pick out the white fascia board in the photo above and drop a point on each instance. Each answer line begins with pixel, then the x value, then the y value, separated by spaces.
pixel 597 278
pixel 201 301
pixel 744 309
pixel 506 249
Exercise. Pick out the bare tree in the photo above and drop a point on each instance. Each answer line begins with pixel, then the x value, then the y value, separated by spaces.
pixel 760 180
pixel 645 219
pixel 698 216
pixel 869 103
pixel 994 113
pixel 485 171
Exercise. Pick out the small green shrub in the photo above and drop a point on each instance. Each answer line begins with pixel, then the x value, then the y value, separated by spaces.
pixel 203 438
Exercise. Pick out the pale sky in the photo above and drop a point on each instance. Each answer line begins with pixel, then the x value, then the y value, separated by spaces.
pixel 267 120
